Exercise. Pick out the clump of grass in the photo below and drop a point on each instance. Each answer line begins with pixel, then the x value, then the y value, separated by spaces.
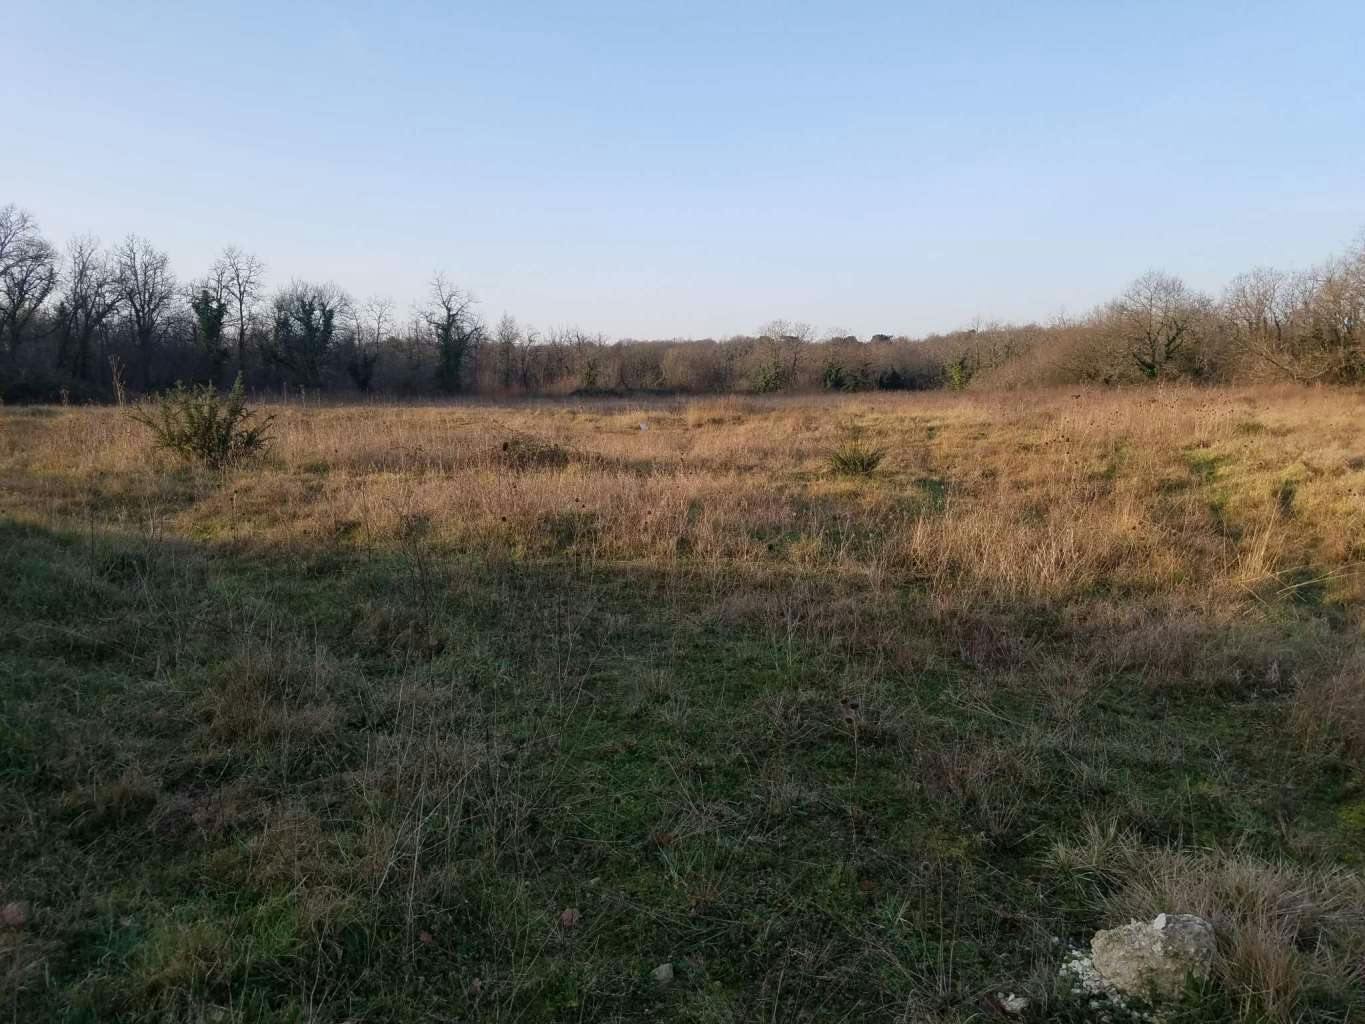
pixel 1327 712
pixel 526 452
pixel 1290 937
pixel 199 425
pixel 856 457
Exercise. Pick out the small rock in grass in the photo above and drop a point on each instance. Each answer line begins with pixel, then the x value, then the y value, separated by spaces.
pixel 663 974
pixel 1156 957
pixel 1012 1004
pixel 569 919
pixel 14 915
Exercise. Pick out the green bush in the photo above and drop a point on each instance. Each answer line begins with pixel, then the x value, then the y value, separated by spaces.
pixel 958 373
pixel 855 457
pixel 199 425
pixel 769 378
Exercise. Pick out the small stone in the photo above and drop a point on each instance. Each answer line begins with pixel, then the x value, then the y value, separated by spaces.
pixel 663 974
pixel 569 919
pixel 1012 1004
pixel 14 915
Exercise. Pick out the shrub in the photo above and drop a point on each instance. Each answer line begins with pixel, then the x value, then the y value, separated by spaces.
pixel 834 378
pixel 526 452
pixel 856 457
pixel 770 377
pixel 199 425
pixel 958 373
pixel 891 380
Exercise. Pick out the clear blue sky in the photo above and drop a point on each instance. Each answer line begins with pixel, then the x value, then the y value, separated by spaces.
pixel 684 169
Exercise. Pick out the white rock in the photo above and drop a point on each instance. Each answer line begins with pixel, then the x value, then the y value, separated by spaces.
pixel 1155 958
pixel 663 974
pixel 1012 1004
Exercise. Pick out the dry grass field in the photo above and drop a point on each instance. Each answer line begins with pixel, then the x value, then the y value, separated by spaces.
pixel 484 712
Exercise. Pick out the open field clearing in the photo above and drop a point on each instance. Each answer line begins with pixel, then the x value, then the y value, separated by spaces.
pixel 857 708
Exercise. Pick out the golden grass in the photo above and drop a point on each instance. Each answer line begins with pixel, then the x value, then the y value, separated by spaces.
pixel 1208 503
pixel 1193 538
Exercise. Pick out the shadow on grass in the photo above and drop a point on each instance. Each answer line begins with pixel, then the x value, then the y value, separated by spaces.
pixel 325 784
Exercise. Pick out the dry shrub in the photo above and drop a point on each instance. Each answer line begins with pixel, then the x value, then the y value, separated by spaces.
pixel 715 412
pixel 1179 645
pixel 1289 936
pixel 524 451
pixel 1327 712
pixel 103 805
pixel 994 781
pixel 288 848
pixel 279 688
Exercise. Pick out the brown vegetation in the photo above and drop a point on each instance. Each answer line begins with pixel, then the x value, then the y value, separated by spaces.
pixel 354 727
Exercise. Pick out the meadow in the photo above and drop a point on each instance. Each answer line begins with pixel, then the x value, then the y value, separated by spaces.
pixel 858 708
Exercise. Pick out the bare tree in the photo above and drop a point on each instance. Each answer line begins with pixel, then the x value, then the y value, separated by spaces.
pixel 1157 318
pixel 1306 326
pixel 455 329
pixel 147 287
pixel 28 274
pixel 1334 346
pixel 526 370
pixel 89 298
pixel 243 277
pixel 782 345
pixel 507 338
pixel 370 323
pixel 1262 308
pixel 585 353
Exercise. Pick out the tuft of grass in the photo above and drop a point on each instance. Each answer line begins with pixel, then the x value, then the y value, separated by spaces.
pixel 855 457
pixel 529 452
pixel 1290 937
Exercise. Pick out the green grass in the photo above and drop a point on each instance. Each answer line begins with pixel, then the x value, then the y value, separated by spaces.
pixel 856 458
pixel 339 784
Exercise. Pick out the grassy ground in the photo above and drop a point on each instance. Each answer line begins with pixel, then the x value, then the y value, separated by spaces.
pixel 486 712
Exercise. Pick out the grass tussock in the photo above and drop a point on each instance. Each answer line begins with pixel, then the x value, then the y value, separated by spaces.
pixel 856 458
pixel 1290 937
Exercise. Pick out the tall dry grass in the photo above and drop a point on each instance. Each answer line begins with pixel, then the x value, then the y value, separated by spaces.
pixel 1284 930
pixel 1153 525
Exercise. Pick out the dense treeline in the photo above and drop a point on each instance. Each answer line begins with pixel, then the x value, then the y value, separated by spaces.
pixel 88 321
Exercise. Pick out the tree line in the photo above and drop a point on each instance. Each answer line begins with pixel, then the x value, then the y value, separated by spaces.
pixel 89 322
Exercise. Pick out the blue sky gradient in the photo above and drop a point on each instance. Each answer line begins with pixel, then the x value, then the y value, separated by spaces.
pixel 671 170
